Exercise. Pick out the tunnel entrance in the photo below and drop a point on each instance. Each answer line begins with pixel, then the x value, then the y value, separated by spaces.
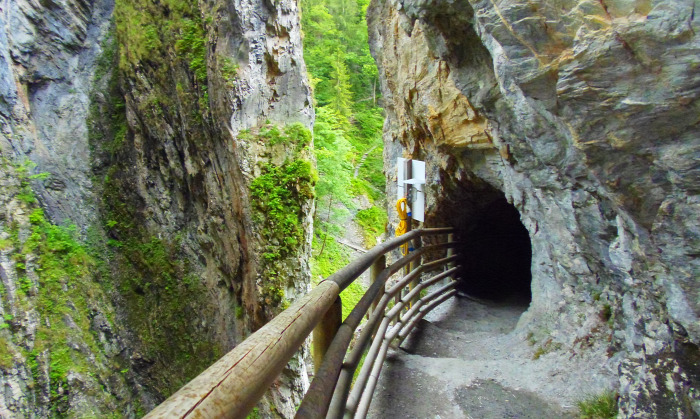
pixel 497 254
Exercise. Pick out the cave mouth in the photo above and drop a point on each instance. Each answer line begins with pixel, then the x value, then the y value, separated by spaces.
pixel 497 255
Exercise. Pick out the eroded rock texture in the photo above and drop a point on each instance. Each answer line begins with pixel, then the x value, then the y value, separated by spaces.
pixel 584 115
pixel 162 131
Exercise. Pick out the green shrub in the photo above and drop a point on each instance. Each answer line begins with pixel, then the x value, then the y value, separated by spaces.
pixel 229 70
pixel 295 133
pixel 279 197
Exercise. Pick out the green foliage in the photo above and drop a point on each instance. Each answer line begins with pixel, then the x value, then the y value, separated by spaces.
pixel 348 120
pixel 22 170
pixel 255 414
pixel 295 134
pixel 298 134
pixel 602 406
pixel 333 157
pixel 158 39
pixel 373 222
pixel 192 47
pixel 351 296
pixel 65 288
pixel 279 198
pixel 334 256
pixel 278 195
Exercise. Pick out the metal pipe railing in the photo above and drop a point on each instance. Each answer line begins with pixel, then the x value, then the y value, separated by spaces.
pixel 318 398
pixel 377 352
pixel 232 386
pixel 368 390
pixel 350 365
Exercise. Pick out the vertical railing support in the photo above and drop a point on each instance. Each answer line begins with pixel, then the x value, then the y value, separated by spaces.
pixel 377 267
pixel 450 252
pixel 325 331
pixel 417 244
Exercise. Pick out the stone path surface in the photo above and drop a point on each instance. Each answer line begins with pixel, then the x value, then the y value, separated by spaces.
pixel 466 361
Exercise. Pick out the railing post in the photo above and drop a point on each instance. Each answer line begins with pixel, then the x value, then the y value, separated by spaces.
pixel 450 252
pixel 377 267
pixel 325 331
pixel 417 244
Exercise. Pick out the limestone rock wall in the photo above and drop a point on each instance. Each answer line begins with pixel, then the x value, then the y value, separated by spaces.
pixel 149 127
pixel 584 114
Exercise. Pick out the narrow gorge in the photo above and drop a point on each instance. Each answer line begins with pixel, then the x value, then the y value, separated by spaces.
pixel 176 173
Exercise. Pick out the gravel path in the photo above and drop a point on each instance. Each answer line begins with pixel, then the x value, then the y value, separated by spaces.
pixel 466 361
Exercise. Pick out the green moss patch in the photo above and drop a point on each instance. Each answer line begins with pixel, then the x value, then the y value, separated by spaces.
pixel 65 292
pixel 279 196
pixel 161 294
pixel 163 297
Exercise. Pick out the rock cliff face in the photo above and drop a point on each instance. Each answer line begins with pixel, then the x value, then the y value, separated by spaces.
pixel 584 115
pixel 171 136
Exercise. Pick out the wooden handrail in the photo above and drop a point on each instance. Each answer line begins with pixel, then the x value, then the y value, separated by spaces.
pixel 354 269
pixel 233 385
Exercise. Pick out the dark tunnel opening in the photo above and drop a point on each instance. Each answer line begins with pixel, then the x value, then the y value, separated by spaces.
pixel 497 255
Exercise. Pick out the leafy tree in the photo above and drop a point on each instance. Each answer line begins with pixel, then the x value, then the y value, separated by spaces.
pixel 348 130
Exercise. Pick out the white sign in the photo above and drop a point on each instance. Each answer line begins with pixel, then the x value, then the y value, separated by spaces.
pixel 417 183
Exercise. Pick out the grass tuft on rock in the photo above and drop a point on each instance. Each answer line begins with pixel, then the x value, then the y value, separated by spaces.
pixel 601 406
